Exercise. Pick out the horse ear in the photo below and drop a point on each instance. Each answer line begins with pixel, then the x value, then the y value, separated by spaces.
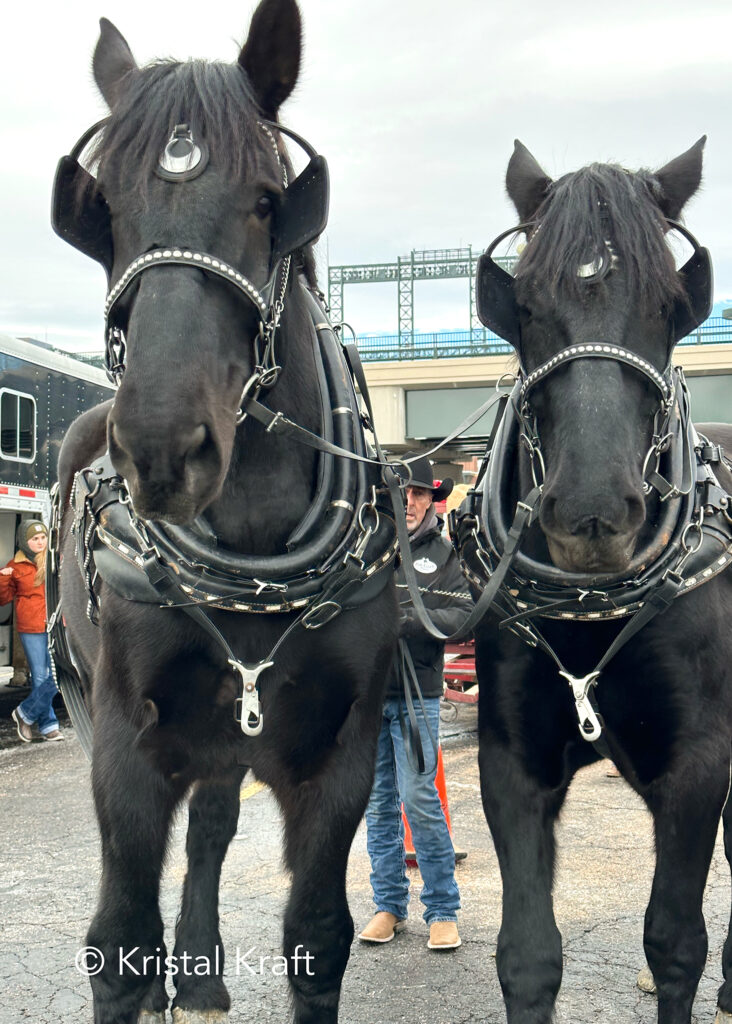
pixel 679 180
pixel 112 62
pixel 271 54
pixel 526 183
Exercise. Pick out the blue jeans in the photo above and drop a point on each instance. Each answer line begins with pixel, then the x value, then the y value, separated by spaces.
pixel 38 705
pixel 396 782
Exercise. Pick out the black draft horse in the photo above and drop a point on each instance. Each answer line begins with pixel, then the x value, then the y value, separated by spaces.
pixel 161 691
pixel 597 271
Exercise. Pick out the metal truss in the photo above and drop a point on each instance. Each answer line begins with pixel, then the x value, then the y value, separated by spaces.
pixel 420 265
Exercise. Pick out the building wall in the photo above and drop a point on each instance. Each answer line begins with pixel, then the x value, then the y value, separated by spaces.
pixel 429 398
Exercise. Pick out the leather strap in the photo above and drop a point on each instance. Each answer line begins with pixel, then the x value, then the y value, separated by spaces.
pixel 278 423
pixel 410 731
pixel 522 520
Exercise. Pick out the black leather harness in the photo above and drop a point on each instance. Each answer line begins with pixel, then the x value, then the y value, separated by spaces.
pixel 690 543
pixel 339 555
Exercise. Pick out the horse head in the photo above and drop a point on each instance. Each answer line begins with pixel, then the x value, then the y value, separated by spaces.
pixel 594 311
pixel 194 180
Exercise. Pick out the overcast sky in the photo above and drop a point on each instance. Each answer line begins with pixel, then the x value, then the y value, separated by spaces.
pixel 415 105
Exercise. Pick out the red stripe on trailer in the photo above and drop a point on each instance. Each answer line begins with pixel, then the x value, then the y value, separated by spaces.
pixel 4 490
pixel 23 492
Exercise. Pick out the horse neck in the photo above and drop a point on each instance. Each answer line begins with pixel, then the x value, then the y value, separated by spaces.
pixel 271 479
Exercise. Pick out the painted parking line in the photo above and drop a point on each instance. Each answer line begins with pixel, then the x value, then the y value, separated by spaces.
pixel 251 790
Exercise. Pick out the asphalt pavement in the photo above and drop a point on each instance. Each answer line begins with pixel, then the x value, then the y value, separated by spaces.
pixel 49 869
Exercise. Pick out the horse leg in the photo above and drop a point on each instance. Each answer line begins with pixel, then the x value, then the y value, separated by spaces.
pixel 213 813
pixel 134 806
pixel 724 997
pixel 321 817
pixel 686 815
pixel 521 815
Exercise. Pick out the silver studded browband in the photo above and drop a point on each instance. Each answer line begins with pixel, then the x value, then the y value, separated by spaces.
pixel 187 257
pixel 662 381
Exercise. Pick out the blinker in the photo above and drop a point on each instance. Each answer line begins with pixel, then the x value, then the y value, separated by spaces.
pixel 495 298
pixel 302 213
pixel 79 211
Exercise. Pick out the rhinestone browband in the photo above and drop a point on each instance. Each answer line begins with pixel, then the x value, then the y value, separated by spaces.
pixel 186 257
pixel 661 380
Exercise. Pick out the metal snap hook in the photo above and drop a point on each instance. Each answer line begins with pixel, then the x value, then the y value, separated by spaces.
pixel 249 704
pixel 590 726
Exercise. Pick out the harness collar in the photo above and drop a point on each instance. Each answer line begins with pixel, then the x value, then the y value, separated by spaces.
pixel 338 556
pixel 691 544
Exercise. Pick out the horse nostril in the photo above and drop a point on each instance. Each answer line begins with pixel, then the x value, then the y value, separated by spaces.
pixel 197 442
pixel 636 507
pixel 548 510
pixel 120 458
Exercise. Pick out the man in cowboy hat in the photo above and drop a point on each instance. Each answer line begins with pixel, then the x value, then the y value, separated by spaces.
pixel 398 780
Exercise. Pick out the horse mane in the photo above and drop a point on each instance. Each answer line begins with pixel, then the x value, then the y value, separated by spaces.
pixel 584 209
pixel 215 99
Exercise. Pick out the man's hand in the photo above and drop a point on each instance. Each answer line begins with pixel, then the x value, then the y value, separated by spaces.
pixel 6 572
pixel 408 622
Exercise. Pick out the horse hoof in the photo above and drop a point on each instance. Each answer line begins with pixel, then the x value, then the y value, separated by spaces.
pixel 646 983
pixel 151 1017
pixel 181 1016
pixel 723 1017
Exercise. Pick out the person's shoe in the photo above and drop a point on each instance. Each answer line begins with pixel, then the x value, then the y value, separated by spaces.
pixel 646 982
pixel 444 935
pixel 382 927
pixel 24 730
pixel 53 737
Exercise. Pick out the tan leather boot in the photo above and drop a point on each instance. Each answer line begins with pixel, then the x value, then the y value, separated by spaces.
pixel 444 935
pixel 382 927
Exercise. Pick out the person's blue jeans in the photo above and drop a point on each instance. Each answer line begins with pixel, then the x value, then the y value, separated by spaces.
pixel 38 705
pixel 396 782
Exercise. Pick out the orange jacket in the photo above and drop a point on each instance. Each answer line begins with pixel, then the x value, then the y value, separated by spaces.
pixel 30 600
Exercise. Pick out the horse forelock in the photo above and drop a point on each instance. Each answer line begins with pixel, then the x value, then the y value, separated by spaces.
pixel 214 98
pixel 583 211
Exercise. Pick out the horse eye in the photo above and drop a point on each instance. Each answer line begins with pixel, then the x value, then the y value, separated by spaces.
pixel 263 207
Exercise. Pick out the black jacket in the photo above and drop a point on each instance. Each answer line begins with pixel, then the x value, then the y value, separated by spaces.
pixel 445 594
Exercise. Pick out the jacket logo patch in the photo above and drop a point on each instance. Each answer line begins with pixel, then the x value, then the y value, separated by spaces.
pixel 425 565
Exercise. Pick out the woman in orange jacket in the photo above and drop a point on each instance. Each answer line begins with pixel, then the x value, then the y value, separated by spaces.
pixel 23 581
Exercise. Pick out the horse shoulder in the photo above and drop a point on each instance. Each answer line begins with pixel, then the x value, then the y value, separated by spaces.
pixel 85 440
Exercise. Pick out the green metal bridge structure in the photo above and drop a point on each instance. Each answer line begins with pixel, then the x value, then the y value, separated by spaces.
pixel 441 265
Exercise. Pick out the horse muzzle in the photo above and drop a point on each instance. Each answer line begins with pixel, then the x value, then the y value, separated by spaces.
pixel 171 476
pixel 596 540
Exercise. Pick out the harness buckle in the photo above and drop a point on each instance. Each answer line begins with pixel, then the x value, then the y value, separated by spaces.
pixel 320 614
pixel 590 726
pixel 274 423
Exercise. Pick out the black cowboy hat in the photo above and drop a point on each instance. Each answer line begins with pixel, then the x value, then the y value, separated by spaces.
pixel 421 468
